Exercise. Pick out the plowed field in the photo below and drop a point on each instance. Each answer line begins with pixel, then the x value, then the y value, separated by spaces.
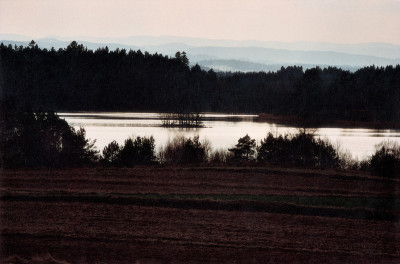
pixel 198 215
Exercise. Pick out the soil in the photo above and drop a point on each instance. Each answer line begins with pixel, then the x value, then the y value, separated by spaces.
pixel 175 215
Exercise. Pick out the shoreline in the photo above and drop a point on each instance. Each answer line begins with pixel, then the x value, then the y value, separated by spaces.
pixel 296 121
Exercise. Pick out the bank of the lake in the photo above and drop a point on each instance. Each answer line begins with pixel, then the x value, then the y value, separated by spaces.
pixel 222 130
pixel 325 123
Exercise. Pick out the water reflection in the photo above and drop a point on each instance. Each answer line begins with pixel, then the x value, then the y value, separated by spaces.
pixel 222 130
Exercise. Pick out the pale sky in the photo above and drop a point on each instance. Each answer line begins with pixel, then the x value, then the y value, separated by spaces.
pixel 338 21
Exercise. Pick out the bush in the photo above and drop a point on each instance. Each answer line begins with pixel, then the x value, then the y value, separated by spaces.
pixel 220 156
pixel 301 150
pixel 134 152
pixel 386 160
pixel 347 162
pixel 274 150
pixel 183 150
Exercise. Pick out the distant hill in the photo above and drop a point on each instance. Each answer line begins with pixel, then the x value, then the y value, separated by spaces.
pixel 231 55
pixel 376 49
pixel 279 56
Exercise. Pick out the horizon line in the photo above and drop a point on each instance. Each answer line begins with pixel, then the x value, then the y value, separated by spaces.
pixel 77 38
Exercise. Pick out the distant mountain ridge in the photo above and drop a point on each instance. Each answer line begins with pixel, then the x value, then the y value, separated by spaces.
pixel 378 49
pixel 232 55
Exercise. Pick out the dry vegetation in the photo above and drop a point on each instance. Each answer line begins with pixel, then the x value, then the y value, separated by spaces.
pixel 198 215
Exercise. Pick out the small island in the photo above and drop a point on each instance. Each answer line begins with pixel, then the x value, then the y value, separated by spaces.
pixel 184 120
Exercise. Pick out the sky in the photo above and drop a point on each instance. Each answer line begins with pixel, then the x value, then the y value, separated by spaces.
pixel 336 21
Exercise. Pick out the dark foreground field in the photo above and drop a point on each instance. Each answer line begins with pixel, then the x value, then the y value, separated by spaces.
pixel 198 215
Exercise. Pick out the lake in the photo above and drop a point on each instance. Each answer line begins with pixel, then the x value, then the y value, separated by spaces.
pixel 222 130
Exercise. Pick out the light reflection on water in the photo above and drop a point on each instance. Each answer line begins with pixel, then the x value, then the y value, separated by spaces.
pixel 222 130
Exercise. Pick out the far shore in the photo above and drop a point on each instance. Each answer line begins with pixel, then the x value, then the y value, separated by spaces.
pixel 289 120
pixel 299 122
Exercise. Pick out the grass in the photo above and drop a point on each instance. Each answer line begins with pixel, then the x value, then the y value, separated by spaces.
pixel 326 201
pixel 347 207
pixel 380 203
pixel 348 202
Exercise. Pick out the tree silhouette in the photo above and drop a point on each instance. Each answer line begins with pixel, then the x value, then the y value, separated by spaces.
pixel 244 149
pixel 111 152
pixel 44 140
pixel 184 59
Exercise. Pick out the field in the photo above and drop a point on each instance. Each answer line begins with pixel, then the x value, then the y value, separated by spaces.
pixel 198 215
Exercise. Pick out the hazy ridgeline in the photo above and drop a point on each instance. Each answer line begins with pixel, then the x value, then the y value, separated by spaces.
pixel 75 78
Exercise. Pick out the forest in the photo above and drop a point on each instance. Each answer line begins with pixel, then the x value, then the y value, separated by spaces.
pixel 79 79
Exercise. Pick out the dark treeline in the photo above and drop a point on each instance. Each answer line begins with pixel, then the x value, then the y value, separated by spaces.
pixel 76 78
pixel 34 140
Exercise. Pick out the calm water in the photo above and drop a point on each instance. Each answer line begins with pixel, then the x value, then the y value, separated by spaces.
pixel 221 130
